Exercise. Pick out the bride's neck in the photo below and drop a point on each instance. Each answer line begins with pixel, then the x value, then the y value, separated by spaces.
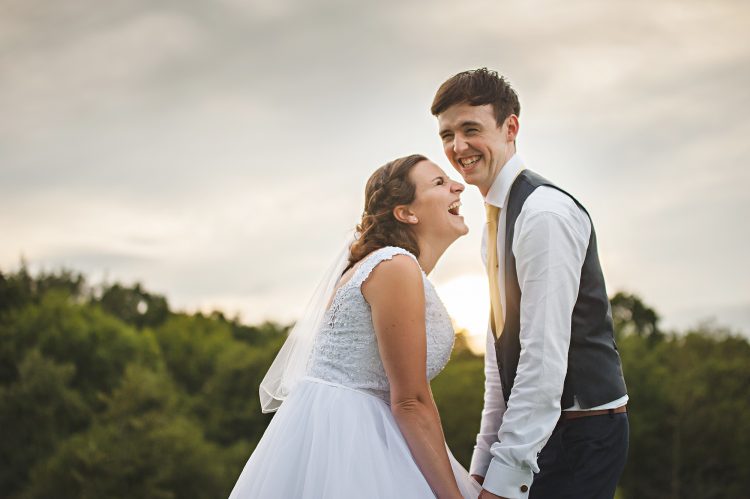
pixel 429 254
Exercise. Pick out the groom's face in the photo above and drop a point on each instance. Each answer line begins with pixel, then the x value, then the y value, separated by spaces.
pixel 474 143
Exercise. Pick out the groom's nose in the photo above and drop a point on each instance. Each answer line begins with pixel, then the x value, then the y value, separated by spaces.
pixel 459 145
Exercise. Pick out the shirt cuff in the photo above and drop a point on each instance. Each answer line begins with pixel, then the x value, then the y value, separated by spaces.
pixel 508 482
pixel 480 461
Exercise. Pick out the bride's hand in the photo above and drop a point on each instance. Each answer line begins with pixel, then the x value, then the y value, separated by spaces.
pixel 479 479
pixel 486 494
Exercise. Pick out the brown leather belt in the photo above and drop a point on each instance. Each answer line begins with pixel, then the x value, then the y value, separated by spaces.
pixel 566 415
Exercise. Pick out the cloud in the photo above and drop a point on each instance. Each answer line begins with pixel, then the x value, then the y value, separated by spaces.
pixel 218 151
pixel 68 79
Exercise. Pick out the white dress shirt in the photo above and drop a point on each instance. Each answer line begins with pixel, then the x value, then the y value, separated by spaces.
pixel 550 243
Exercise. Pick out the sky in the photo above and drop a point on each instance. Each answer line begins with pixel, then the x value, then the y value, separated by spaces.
pixel 217 152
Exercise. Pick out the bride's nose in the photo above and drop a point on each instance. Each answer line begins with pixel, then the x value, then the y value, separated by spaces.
pixel 457 187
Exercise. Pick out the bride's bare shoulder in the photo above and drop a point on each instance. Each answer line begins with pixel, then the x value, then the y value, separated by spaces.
pixel 398 276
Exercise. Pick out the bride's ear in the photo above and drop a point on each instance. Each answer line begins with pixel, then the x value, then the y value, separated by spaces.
pixel 403 214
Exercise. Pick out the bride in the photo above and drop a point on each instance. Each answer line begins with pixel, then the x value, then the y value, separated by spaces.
pixel 358 418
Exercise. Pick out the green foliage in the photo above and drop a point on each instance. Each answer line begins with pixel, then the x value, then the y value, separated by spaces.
pixel 229 402
pixel 191 347
pixel 261 334
pixel 141 446
pixel 108 393
pixel 37 410
pixel 134 306
pixel 689 401
pixel 100 399
pixel 459 395
pixel 20 288
pixel 632 316
pixel 98 344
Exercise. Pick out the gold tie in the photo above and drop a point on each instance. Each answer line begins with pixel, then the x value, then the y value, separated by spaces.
pixel 496 311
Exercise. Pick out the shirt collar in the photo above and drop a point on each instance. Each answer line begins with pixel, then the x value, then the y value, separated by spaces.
pixel 501 186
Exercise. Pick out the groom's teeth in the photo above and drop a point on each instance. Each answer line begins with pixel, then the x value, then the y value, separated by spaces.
pixel 469 161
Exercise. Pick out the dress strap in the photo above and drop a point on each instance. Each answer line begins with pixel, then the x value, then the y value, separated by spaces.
pixel 373 259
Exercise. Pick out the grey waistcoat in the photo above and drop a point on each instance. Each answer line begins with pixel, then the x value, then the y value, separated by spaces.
pixel 594 371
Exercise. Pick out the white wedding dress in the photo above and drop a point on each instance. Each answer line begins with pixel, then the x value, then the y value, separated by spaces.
pixel 335 436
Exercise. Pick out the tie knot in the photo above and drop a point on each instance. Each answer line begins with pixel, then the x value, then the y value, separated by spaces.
pixel 492 212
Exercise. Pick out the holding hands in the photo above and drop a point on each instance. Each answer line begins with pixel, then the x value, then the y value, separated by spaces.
pixel 485 494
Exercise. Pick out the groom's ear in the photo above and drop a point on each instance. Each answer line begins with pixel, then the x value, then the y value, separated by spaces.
pixel 403 214
pixel 512 128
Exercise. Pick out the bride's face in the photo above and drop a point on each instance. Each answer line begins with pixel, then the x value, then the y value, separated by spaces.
pixel 437 202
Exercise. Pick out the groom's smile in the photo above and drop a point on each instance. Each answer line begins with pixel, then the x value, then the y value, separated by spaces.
pixel 467 163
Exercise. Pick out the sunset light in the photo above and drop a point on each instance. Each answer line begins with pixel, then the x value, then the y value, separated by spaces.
pixel 468 304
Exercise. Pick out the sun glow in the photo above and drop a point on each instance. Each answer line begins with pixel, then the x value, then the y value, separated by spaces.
pixel 468 304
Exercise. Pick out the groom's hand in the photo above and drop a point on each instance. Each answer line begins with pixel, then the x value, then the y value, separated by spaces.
pixel 478 478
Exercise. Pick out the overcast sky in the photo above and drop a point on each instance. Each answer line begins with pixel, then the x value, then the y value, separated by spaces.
pixel 217 151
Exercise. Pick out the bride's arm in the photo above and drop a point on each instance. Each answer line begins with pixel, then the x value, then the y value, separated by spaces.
pixel 395 293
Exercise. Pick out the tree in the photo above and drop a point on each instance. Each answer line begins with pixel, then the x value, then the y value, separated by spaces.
pixel 632 316
pixel 97 344
pixel 689 400
pixel 134 305
pixel 20 288
pixel 141 446
pixel 37 411
pixel 191 347
pixel 228 404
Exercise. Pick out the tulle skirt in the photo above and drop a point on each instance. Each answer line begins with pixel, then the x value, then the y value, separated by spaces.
pixel 330 441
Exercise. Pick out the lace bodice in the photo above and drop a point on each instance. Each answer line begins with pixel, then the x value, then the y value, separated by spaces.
pixel 346 350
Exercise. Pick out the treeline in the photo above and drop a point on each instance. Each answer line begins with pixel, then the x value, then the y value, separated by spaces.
pixel 107 392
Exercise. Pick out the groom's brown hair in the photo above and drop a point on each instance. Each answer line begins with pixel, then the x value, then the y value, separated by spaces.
pixel 478 87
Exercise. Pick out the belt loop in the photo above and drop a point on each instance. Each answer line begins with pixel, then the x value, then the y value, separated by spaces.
pixel 611 414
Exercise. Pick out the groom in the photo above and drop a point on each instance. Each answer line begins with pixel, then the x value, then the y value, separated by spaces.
pixel 554 423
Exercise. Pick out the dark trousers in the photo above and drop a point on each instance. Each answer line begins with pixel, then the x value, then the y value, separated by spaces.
pixel 583 459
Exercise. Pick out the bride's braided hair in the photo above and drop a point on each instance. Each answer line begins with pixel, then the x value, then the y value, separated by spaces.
pixel 388 187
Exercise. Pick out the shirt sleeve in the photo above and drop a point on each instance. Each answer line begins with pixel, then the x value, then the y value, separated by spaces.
pixel 494 403
pixel 550 242
pixel 492 412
